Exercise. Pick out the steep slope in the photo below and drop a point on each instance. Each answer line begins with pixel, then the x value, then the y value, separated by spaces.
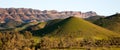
pixel 110 22
pixel 76 27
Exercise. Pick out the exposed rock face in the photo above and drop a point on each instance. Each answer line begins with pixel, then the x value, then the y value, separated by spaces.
pixel 30 15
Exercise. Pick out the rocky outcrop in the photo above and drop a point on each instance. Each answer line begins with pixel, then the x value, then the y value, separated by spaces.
pixel 30 15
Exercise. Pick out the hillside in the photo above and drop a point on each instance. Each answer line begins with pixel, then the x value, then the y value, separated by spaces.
pixel 110 22
pixel 75 27
pixel 25 27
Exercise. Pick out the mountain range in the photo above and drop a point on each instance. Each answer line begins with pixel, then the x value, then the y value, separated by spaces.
pixel 33 15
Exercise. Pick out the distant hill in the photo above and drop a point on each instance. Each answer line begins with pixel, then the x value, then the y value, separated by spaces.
pixel 94 18
pixel 33 15
pixel 110 22
pixel 75 27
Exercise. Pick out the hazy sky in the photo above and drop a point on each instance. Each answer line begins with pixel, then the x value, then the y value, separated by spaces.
pixel 102 7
